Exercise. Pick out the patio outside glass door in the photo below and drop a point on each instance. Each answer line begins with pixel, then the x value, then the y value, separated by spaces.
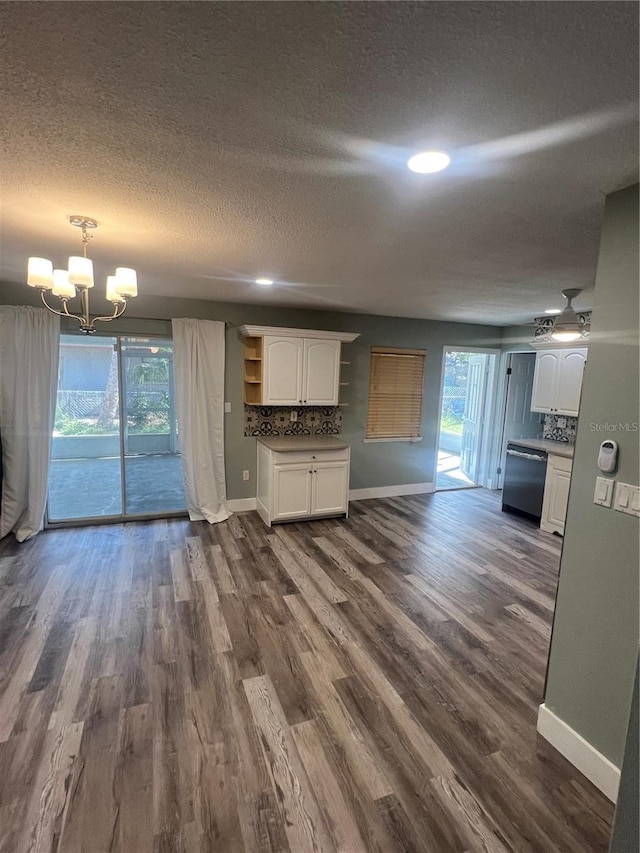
pixel 115 446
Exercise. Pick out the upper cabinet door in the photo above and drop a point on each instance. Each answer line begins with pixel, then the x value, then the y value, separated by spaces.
pixel 321 372
pixel 569 383
pixel 543 396
pixel 282 371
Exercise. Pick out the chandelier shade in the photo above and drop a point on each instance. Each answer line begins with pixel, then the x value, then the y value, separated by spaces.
pixel 126 281
pixel 62 287
pixel 112 291
pixel 81 271
pixel 78 279
pixel 40 273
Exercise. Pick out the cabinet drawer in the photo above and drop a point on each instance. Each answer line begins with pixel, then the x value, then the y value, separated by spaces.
pixel 297 457
pixel 561 463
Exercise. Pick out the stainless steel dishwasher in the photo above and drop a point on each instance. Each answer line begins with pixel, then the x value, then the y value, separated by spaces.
pixel 524 476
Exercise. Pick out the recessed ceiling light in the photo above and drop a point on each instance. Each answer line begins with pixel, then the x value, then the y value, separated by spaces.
pixel 552 310
pixel 265 282
pixel 428 161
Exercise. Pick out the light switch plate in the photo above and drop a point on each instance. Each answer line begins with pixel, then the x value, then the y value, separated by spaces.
pixel 227 408
pixel 603 495
pixel 627 499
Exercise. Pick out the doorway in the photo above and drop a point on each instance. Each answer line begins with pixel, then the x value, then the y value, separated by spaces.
pixel 115 450
pixel 468 380
pixel 518 419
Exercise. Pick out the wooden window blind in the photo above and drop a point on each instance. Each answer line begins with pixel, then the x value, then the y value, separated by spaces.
pixel 396 383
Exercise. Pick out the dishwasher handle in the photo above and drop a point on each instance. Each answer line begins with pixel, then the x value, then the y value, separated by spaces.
pixel 532 456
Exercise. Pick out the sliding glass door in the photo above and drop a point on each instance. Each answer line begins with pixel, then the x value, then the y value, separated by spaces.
pixel 115 445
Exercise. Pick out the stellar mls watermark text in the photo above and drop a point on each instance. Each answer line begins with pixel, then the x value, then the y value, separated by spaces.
pixel 616 427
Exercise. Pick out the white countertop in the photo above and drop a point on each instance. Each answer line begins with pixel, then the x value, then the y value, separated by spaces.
pixel 287 443
pixel 558 448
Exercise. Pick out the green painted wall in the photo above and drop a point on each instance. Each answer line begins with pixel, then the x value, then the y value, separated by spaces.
pixel 625 837
pixel 595 634
pixel 517 339
pixel 373 465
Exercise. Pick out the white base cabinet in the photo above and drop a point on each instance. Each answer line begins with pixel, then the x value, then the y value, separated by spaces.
pixel 556 494
pixel 302 484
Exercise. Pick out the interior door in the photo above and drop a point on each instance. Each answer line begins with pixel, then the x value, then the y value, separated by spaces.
pixel 473 417
pixel 519 420
pixel 321 372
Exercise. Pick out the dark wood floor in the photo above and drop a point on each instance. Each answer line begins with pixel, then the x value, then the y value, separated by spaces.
pixel 369 685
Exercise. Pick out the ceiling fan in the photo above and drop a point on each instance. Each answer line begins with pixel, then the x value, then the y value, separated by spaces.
pixel 567 325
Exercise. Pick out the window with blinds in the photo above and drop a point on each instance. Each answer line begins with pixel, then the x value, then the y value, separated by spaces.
pixel 396 383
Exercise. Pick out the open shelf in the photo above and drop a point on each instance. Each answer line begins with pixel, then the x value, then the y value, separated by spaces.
pixel 253 371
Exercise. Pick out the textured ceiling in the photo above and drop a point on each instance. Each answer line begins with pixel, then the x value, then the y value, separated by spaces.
pixel 215 142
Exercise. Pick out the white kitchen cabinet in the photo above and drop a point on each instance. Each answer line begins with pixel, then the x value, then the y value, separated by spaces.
pixel 292 490
pixel 557 381
pixel 296 484
pixel 282 360
pixel 320 372
pixel 292 367
pixel 300 371
pixel 556 494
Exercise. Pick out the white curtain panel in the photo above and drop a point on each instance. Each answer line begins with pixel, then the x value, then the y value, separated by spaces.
pixel 29 349
pixel 198 353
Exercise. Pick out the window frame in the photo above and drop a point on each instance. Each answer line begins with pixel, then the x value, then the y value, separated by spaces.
pixel 403 352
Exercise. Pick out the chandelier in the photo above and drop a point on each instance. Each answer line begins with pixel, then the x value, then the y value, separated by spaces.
pixel 77 280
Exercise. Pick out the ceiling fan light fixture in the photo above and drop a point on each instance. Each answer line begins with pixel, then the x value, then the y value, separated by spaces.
pixel 567 326
pixel 566 335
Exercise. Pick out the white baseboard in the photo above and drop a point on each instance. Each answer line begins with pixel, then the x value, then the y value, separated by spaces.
pixel 241 504
pixel 603 773
pixel 392 491
pixel 246 504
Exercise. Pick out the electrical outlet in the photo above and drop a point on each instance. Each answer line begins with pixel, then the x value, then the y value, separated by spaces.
pixel 562 423
pixel 293 417
pixel 245 475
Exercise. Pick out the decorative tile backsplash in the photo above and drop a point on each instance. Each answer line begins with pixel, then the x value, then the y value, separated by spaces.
pixel 554 432
pixel 276 420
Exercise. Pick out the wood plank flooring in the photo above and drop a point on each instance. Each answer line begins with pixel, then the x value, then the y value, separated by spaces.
pixel 360 685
